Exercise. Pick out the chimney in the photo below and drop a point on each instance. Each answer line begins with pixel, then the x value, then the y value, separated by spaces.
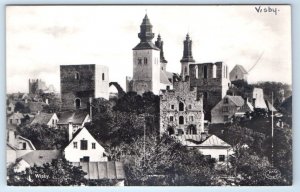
pixel 70 130
pixel 11 137
pixel 203 136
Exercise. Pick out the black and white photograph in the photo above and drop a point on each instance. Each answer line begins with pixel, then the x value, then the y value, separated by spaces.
pixel 148 95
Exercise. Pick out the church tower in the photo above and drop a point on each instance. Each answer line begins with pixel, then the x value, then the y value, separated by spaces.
pixel 146 61
pixel 160 44
pixel 187 58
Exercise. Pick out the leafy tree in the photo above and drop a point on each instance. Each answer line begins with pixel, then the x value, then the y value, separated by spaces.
pixel 20 107
pixel 59 172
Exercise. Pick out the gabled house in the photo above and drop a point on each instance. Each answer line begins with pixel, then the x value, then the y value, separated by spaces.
pixel 228 107
pixel 238 73
pixel 10 107
pixel 15 118
pixel 49 119
pixel 38 157
pixel 83 147
pixel 73 119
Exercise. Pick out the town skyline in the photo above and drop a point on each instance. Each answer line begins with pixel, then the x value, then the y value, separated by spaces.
pixel 41 38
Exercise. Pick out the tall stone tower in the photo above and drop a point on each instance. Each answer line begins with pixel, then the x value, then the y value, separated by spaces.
pixel 212 80
pixel 146 61
pixel 160 44
pixel 187 58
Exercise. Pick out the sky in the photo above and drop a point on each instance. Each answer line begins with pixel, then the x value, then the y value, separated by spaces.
pixel 41 38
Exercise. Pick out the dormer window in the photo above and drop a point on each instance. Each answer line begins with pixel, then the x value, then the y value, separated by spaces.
pixel 76 75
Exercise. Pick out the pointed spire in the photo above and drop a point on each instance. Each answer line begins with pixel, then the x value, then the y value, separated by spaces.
pixel 160 44
pixel 146 34
pixel 187 50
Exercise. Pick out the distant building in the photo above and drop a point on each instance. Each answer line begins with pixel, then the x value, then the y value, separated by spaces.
pixel 80 83
pixel 49 119
pixel 187 57
pixel 83 147
pixel 149 64
pixel 73 120
pixel 10 107
pixel 228 107
pixel 15 118
pixel 238 73
pixel 258 100
pixel 210 79
pixel 36 86
pixel 181 110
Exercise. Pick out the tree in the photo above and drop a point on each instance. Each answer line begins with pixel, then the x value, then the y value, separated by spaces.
pixel 59 172
pixel 20 107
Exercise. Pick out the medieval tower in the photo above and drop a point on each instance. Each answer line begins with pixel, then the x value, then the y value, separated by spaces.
pixel 187 57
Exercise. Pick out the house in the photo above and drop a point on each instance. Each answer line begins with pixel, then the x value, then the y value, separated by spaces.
pixel 10 108
pixel 73 119
pixel 83 147
pixel 38 158
pixel 111 170
pixel 49 119
pixel 228 107
pixel 258 100
pixel 238 73
pixel 15 118
pixel 210 146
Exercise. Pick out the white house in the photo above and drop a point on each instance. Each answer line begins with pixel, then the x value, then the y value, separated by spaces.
pixel 238 73
pixel 15 118
pixel 83 147
pixel 49 119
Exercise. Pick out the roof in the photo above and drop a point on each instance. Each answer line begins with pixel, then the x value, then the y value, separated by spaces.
pixel 270 106
pixel 18 137
pixel 42 118
pixel 245 108
pixel 287 104
pixel 214 141
pixel 102 170
pixel 145 45
pixel 17 115
pixel 35 106
pixel 189 140
pixel 163 78
pixel 243 70
pixel 40 157
pixel 237 100
pixel 75 117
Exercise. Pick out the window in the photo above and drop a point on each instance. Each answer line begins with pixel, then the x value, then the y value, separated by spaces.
pixel 225 109
pixel 103 77
pixel 10 121
pixel 83 145
pixel 191 130
pixel 93 145
pixel 172 106
pixel 24 146
pixel 17 120
pixel 181 120
pixel 205 71
pixel 9 108
pixel 214 72
pixel 139 61
pixel 76 75
pixel 170 130
pixel 225 100
pixel 191 118
pixel 75 145
pixel 77 103
pixel 53 122
pixel 196 72
pixel 236 77
pixel 221 157
pixel 85 159
pixel 181 106
pixel 162 68
pixel 226 118
pixel 205 95
pixel 190 106
pixel 145 60
pixel 171 118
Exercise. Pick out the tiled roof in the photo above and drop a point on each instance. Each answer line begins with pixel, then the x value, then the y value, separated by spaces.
pixel 214 141
pixel 163 78
pixel 40 157
pixel 238 100
pixel 102 170
pixel 42 118
pixel 76 117
pixel 145 45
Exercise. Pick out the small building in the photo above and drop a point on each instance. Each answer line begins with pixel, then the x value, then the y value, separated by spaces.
pixel 181 110
pixel 49 119
pixel 10 108
pixel 73 119
pixel 238 73
pixel 83 147
pixel 37 157
pixel 228 107
pixel 258 100
pixel 15 118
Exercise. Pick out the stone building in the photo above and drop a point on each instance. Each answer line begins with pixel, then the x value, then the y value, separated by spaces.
pixel 211 79
pixel 149 64
pixel 181 110
pixel 238 73
pixel 187 57
pixel 79 83
pixel 36 85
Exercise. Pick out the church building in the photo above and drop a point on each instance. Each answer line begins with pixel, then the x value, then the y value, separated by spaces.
pixel 149 64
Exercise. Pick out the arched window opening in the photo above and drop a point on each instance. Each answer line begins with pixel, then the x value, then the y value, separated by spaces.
pixel 103 76
pixel 196 72
pixel 181 106
pixel 205 71
pixel 77 103
pixel 181 120
pixel 145 60
pixel 191 129
pixel 214 71
pixel 76 75
pixel 170 131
